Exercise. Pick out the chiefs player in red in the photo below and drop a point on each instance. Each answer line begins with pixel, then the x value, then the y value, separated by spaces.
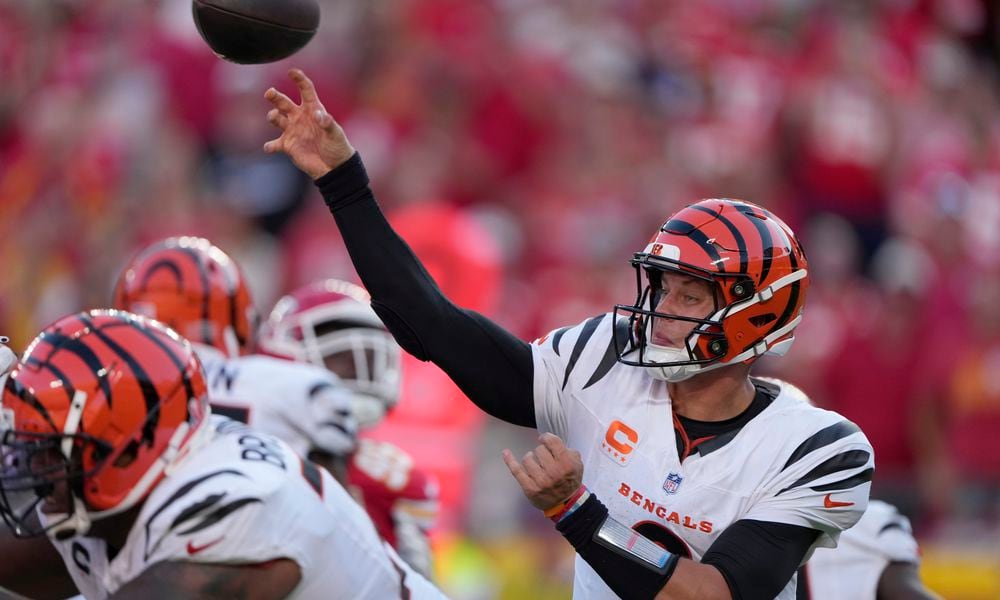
pixel 331 324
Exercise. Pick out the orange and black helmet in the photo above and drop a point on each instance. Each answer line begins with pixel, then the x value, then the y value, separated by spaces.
pixel 99 405
pixel 194 287
pixel 756 268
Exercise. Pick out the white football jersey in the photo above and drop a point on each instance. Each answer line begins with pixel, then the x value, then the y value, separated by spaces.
pixel 793 463
pixel 852 570
pixel 246 497
pixel 304 405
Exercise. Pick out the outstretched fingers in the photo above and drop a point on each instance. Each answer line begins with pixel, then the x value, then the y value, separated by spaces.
pixel 280 101
pixel 273 146
pixel 276 118
pixel 306 88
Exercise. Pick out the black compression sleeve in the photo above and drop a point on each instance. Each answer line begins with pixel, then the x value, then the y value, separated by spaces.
pixel 490 365
pixel 758 558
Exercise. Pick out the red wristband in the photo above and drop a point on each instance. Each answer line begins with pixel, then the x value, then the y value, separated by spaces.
pixel 560 510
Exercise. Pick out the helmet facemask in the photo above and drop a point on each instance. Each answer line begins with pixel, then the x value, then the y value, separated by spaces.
pixel 702 347
pixel 42 474
pixel 366 359
pixel 41 487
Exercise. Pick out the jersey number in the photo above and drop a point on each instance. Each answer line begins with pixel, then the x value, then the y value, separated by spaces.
pixel 261 450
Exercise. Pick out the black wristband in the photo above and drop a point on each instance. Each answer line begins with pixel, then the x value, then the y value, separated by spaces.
pixel 627 574
pixel 345 184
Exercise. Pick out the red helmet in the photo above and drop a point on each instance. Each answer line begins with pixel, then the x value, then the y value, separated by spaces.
pixel 100 405
pixel 757 270
pixel 331 324
pixel 194 287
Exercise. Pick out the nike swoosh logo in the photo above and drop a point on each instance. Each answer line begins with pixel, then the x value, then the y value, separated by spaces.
pixel 192 549
pixel 830 503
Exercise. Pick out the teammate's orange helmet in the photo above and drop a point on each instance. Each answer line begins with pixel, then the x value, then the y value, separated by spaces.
pixel 101 403
pixel 194 287
pixel 757 270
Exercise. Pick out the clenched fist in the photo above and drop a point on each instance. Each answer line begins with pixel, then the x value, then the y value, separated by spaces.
pixel 549 474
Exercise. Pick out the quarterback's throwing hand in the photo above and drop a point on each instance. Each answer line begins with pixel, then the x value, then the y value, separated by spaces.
pixel 549 474
pixel 309 135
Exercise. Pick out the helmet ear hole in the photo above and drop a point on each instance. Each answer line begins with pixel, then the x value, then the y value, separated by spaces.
pixel 718 347
pixel 742 289
pixel 128 455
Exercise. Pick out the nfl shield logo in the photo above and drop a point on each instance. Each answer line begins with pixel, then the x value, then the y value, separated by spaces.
pixel 672 483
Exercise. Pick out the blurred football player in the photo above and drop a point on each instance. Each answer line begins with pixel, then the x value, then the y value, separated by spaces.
pixel 331 324
pixel 198 290
pixel 109 447
pixel 7 357
pixel 193 286
pixel 877 558
pixel 33 565
pixel 736 478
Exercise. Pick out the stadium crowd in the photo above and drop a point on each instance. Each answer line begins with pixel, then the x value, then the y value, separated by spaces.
pixel 512 141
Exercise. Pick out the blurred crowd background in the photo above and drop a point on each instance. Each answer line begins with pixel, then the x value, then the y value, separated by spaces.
pixel 526 148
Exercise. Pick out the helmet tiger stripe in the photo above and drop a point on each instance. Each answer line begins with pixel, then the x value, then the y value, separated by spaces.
pixel 195 288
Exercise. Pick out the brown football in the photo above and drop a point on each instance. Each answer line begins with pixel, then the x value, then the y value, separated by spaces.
pixel 256 31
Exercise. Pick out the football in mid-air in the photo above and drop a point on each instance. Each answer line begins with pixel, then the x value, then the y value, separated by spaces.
pixel 256 31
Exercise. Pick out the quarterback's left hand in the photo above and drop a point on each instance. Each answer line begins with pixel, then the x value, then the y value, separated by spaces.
pixel 549 474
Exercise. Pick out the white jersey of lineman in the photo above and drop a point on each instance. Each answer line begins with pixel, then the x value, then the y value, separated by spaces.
pixel 852 570
pixel 793 463
pixel 245 497
pixel 304 405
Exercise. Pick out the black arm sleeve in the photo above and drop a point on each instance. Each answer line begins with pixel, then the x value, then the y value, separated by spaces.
pixel 489 364
pixel 758 558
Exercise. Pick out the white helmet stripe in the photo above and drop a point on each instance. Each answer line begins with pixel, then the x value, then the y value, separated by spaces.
pixel 73 418
pixel 761 296
pixel 766 293
pixel 764 345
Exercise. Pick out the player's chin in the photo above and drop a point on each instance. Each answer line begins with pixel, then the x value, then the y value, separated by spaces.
pixel 56 505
